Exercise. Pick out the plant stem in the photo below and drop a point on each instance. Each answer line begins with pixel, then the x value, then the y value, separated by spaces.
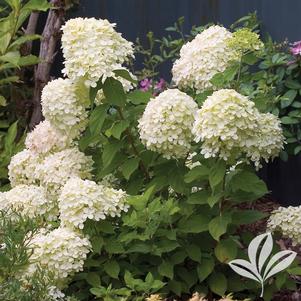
pixel 131 141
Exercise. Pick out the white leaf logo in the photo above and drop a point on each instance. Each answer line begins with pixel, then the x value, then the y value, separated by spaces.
pixel 259 251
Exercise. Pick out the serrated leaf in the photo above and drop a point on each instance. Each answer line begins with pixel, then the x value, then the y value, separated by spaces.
pixel 113 91
pixel 218 226
pixel 166 269
pixel 118 128
pixel 93 279
pixel 225 250
pixel 109 152
pixel 197 173
pixel 126 75
pixel 129 166
pixel 139 97
pixel 218 283
pixel 97 119
pixel 112 268
pixel 194 224
pixel 217 173
pixel 205 268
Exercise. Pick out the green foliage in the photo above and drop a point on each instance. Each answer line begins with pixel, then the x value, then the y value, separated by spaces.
pixel 182 226
pixel 16 233
pixel 14 14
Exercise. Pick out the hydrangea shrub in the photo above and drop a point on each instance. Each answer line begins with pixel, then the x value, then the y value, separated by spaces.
pixel 145 186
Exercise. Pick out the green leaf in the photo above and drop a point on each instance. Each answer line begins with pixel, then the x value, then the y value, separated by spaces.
pixel 10 137
pixel 139 97
pixel 244 217
pixel 40 5
pixel 93 279
pixel 97 119
pixel 175 287
pixel 194 224
pixel 98 291
pixel 11 57
pixel 8 80
pixel 226 250
pixel 23 39
pixel 288 98
pixel 218 226
pixel 139 201
pixel 129 166
pixel 28 60
pixel 109 152
pixel 197 173
pixel 214 198
pixel 218 283
pixel 97 243
pixel 166 269
pixel 199 198
pixel 114 93
pixel 247 181
pixel 176 180
pixel 118 128
pixel 194 252
pixel 289 120
pixel 205 268
pixel 126 75
pixel 112 268
pixel 293 84
pixel 217 173
pixel 2 104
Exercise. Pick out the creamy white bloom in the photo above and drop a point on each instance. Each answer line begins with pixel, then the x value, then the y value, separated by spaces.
pixel 93 49
pixel 207 54
pixel 225 124
pixel 83 199
pixel 288 222
pixel 62 108
pixel 56 169
pixel 166 124
pixel 30 201
pixel 61 252
pixel 269 139
pixel 46 138
pixel 21 169
pixel 230 126
pixel 56 294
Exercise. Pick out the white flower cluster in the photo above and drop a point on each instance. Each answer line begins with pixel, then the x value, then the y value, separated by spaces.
pixel 22 167
pixel 50 178
pixel 229 126
pixel 166 124
pixel 288 221
pixel 62 107
pixel 206 55
pixel 55 170
pixel 93 49
pixel 83 199
pixel 46 138
pixel 29 200
pixel 61 252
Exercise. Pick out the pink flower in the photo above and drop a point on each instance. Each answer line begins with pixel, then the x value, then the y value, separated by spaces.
pixel 146 84
pixel 296 49
pixel 160 85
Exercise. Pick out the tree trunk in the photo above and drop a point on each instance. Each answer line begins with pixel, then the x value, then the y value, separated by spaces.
pixel 50 37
